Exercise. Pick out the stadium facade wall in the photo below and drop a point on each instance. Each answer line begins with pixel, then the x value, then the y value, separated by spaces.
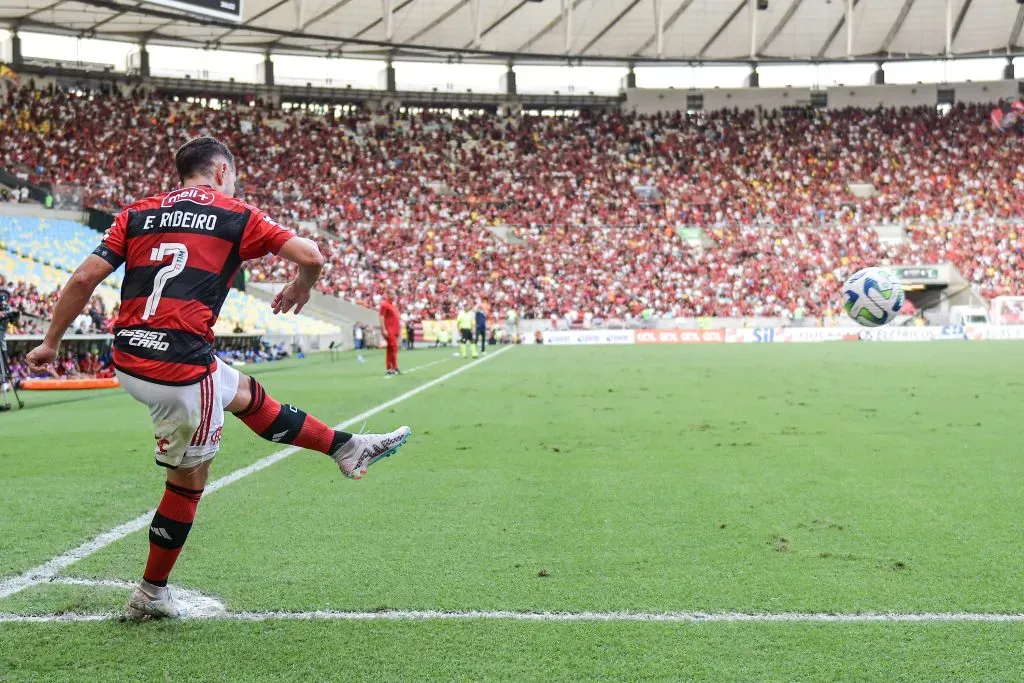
pixel 640 100
pixel 652 101
pixel 323 306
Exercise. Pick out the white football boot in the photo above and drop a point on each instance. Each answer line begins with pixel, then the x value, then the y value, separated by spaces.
pixel 153 602
pixel 362 450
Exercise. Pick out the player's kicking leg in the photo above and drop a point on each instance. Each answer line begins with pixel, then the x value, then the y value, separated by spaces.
pixel 187 422
pixel 353 453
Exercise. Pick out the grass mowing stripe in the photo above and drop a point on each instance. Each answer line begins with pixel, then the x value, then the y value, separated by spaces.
pixel 55 565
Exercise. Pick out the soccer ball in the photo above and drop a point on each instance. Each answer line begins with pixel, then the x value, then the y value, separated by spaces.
pixel 873 296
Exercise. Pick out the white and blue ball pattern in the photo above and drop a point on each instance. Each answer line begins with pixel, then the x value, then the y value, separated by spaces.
pixel 873 297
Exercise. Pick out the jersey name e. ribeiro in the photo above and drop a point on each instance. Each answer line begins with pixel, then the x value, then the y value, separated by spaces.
pixel 181 251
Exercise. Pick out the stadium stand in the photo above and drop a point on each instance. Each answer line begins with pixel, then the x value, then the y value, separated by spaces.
pixel 594 201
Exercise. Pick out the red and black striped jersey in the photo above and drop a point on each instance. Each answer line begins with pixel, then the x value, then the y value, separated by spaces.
pixel 181 251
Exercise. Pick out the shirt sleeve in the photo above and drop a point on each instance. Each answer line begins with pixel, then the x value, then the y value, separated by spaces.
pixel 112 247
pixel 262 236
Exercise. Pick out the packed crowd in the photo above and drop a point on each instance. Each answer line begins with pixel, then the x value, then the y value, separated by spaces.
pixel 33 309
pixel 93 361
pixel 260 352
pixel 93 364
pixel 592 202
pixel 616 273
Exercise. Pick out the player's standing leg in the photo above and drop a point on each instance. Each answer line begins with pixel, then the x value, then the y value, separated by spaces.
pixel 188 460
pixel 167 535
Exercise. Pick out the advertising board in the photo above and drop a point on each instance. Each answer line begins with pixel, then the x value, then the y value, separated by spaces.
pixel 588 337
pixel 680 336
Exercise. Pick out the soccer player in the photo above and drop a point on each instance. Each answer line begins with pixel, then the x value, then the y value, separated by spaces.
pixel 465 322
pixel 410 334
pixel 391 328
pixel 512 324
pixel 481 327
pixel 181 250
pixel 358 332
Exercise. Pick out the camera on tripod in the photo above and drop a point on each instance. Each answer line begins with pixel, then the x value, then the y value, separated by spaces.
pixel 8 316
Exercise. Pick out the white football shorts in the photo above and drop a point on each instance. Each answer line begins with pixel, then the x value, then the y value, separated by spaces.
pixel 187 421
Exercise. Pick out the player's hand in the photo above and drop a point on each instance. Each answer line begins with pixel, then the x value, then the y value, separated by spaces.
pixel 41 356
pixel 292 296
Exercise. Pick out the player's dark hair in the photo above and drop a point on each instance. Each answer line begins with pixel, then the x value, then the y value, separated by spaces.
pixel 199 155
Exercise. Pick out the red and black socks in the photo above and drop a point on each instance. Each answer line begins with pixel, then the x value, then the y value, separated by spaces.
pixel 169 530
pixel 287 424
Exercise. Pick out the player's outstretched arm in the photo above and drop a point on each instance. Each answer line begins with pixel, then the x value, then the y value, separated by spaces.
pixel 306 255
pixel 72 301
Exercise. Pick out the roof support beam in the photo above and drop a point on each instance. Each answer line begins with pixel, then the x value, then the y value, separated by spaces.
pixel 960 19
pixel 103 22
pixel 849 29
pixel 659 27
pixel 300 10
pixel 501 20
pixel 949 27
pixel 323 15
pixel 388 13
pixel 672 19
pixel 894 30
pixel 721 29
pixel 377 22
pixel 548 28
pixel 1017 24
pixel 778 28
pixel 835 31
pixel 611 24
pixel 52 5
pixel 437 22
pixel 476 18
pixel 567 8
pixel 752 8
pixel 140 36
pixel 258 15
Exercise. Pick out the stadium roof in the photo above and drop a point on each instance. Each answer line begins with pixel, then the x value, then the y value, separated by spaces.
pixel 551 30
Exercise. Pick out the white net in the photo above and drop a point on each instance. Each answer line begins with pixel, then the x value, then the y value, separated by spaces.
pixel 1007 310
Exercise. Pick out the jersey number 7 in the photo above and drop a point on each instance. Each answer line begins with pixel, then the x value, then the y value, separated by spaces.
pixel 179 255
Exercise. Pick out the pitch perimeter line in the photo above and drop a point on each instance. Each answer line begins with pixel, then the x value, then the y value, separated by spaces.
pixel 420 367
pixel 57 564
pixel 647 617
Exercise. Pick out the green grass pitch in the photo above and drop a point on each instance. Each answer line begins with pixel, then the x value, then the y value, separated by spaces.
pixel 833 478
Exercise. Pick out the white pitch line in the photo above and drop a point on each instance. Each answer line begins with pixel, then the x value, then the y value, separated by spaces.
pixel 419 367
pixel 646 617
pixel 57 564
pixel 426 365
